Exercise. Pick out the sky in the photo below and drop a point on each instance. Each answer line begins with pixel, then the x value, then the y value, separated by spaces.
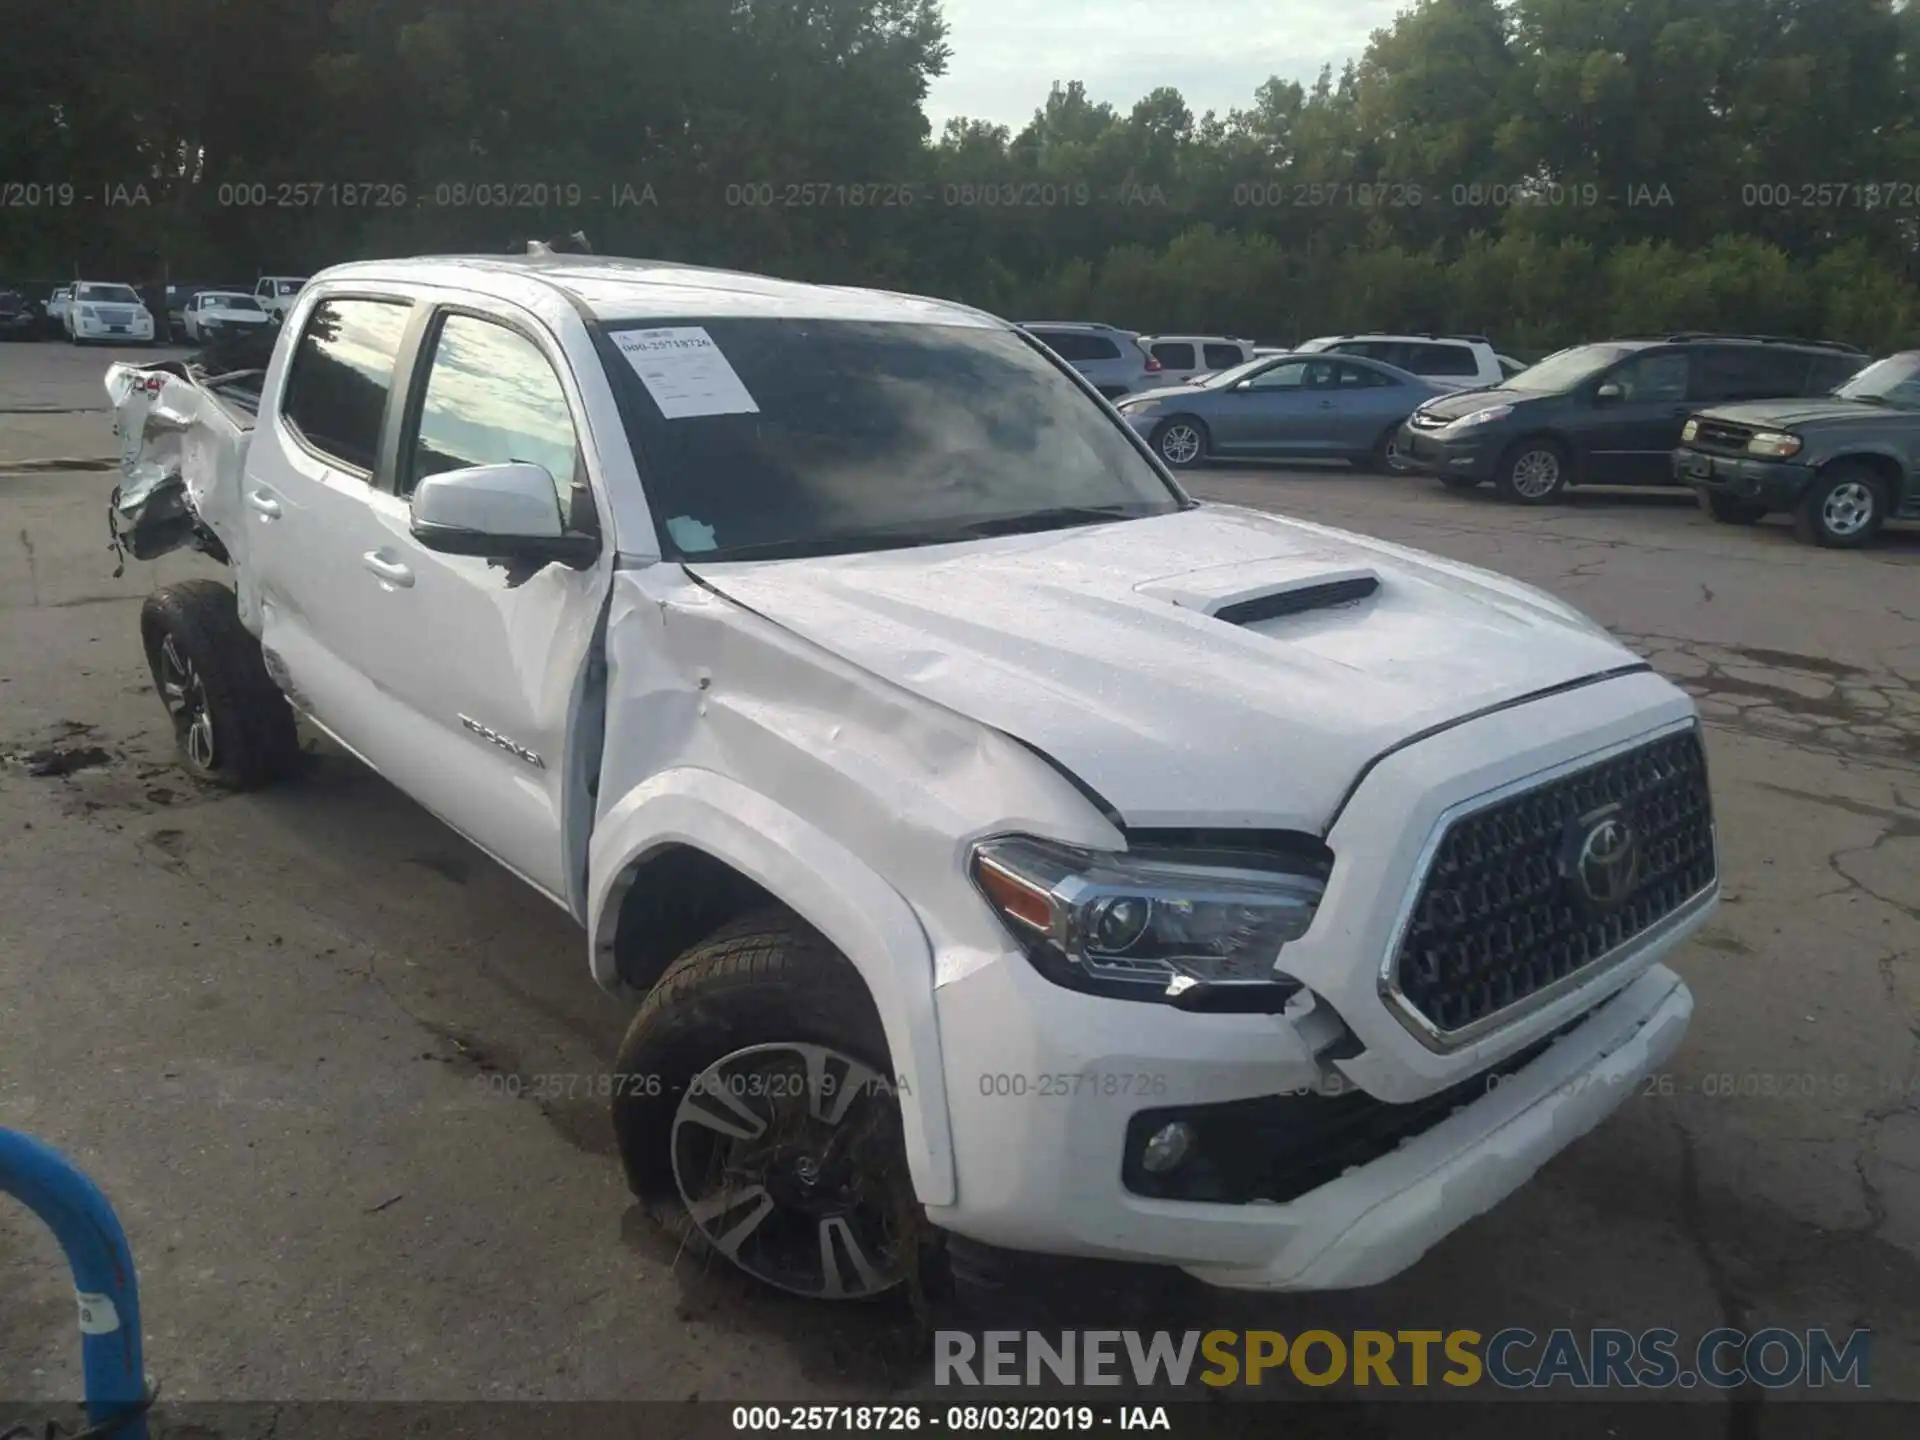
pixel 1008 53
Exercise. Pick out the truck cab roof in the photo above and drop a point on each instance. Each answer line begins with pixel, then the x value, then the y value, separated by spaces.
pixel 616 290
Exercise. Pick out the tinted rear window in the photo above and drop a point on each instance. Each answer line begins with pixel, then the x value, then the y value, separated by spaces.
pixel 1219 357
pixel 1175 355
pixel 1747 372
pixel 336 393
pixel 1450 360
pixel 1077 344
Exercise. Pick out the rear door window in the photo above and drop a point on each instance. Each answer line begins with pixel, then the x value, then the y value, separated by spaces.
pixel 1829 372
pixel 1174 354
pixel 1222 357
pixel 342 372
pixel 1453 361
pixel 1747 372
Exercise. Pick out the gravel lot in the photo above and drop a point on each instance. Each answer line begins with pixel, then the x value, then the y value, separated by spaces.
pixel 274 1027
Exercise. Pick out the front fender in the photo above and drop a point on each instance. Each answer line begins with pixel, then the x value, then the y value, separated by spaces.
pixel 828 887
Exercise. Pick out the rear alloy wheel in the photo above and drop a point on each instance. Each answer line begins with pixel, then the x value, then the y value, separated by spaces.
pixel 1181 442
pixel 1844 509
pixel 1732 509
pixel 1534 473
pixel 233 725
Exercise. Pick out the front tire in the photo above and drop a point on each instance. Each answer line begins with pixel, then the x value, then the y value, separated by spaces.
pixel 1534 472
pixel 231 722
pixel 755 1114
pixel 1181 441
pixel 1845 508
pixel 1385 457
pixel 1732 509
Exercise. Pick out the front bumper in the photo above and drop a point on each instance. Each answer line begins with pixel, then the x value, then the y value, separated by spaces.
pixel 1777 484
pixel 1043 1083
pixel 1429 452
pixel 135 329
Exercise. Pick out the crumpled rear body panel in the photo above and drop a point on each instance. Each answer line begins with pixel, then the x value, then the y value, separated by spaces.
pixel 183 453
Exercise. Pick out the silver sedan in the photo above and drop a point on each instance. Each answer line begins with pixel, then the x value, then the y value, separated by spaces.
pixel 1283 407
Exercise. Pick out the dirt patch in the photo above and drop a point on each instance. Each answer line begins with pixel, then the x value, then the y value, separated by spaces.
pixel 61 760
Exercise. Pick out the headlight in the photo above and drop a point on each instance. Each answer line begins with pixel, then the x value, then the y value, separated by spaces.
pixel 1689 430
pixel 86 313
pixel 1482 417
pixel 1774 445
pixel 1153 924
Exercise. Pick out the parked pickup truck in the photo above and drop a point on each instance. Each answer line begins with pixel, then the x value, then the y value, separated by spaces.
pixel 1003 852
pixel 1841 467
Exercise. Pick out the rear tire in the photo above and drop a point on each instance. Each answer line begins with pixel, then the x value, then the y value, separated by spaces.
pixel 232 724
pixel 1844 509
pixel 1385 459
pixel 1181 441
pixel 756 1116
pixel 1732 509
pixel 1533 472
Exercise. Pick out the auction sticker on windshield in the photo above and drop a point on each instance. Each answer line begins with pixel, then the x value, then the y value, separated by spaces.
pixel 685 372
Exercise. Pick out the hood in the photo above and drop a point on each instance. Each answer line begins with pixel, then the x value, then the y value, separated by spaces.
pixel 1167 392
pixel 1154 660
pixel 1455 403
pixel 1783 414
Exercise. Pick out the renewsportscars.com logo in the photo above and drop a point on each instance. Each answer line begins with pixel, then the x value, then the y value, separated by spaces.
pixel 1511 1359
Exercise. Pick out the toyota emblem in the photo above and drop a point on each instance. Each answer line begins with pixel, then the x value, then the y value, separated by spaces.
pixel 1602 858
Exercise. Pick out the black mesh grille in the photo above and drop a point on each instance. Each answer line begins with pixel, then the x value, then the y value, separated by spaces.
pixel 1503 912
pixel 1721 435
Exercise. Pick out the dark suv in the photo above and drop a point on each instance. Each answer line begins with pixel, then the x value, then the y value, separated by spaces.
pixel 1842 467
pixel 1607 414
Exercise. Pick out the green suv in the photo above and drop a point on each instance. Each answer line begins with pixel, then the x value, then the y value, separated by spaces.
pixel 1842 466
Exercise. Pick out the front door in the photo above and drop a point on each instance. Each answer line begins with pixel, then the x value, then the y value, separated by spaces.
pixel 1627 439
pixel 1285 409
pixel 487 662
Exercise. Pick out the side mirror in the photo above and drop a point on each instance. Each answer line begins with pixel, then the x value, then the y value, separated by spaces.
pixel 1608 393
pixel 498 512
pixel 1243 385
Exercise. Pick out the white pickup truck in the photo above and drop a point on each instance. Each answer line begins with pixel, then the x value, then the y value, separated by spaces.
pixel 1004 852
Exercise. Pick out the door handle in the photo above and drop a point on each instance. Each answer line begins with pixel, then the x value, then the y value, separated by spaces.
pixel 391 571
pixel 264 502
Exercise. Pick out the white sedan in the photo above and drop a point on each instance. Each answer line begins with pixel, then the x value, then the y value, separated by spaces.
pixel 107 312
pixel 213 313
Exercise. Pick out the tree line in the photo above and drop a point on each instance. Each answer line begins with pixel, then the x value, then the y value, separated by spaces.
pixel 1538 170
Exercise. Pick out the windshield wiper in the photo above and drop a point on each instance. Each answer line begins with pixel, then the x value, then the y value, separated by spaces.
pixel 858 542
pixel 1060 517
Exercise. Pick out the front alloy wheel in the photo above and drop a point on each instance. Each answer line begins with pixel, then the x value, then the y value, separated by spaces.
pixel 1180 443
pixel 1844 509
pixel 776 1152
pixel 1534 475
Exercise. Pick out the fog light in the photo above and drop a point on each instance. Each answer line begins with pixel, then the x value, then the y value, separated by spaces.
pixel 1166 1148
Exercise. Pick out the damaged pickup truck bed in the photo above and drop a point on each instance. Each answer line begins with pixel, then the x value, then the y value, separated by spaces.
pixel 1005 853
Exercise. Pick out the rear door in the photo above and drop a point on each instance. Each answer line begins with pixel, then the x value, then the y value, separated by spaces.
pixel 1218 355
pixel 310 469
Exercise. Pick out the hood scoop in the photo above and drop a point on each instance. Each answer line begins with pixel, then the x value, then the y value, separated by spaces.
pixel 1251 595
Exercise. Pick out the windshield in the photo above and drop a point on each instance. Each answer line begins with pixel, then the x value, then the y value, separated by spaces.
pixel 110 294
pixel 229 302
pixel 1561 372
pixel 770 438
pixel 289 287
pixel 1894 381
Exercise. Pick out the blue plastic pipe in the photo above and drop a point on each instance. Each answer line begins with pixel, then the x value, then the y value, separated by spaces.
pixel 56 1190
